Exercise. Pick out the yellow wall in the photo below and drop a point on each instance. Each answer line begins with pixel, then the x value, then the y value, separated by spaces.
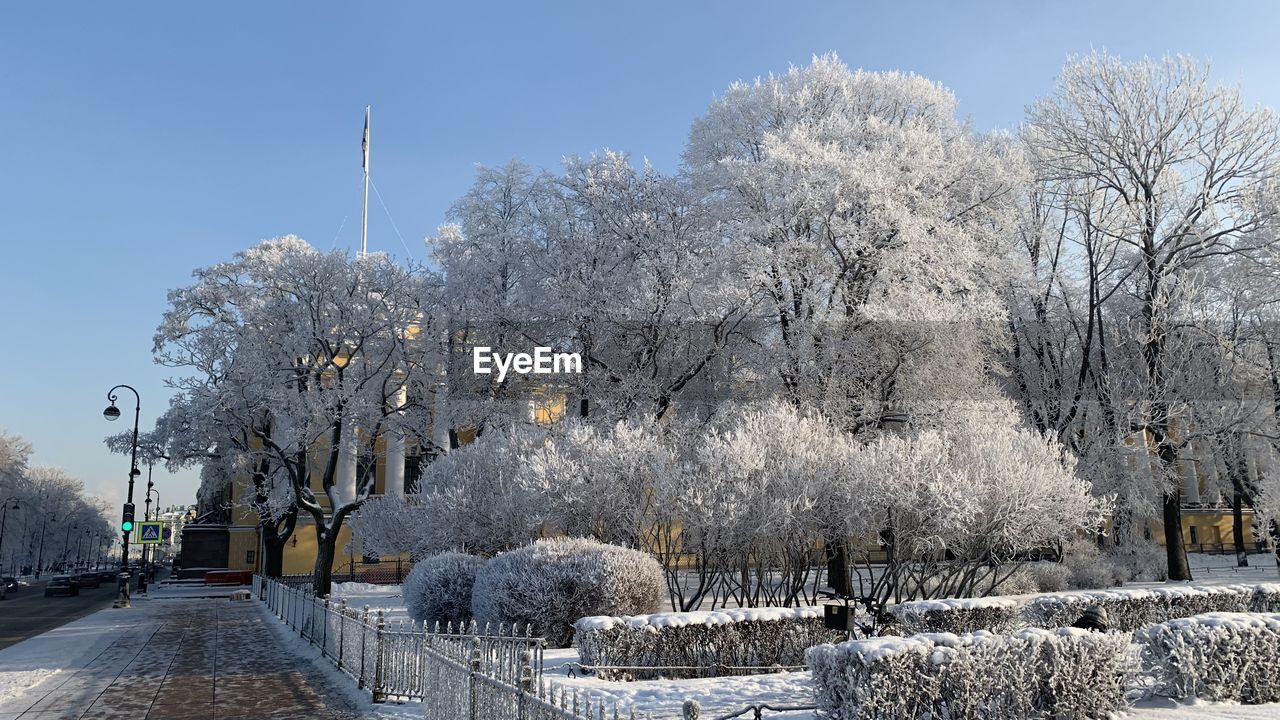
pixel 1213 527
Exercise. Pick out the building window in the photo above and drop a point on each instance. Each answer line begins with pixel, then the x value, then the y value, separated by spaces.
pixel 249 557
pixel 1195 535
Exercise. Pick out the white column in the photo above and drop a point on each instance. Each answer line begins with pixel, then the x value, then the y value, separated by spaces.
pixel 395 451
pixel 345 481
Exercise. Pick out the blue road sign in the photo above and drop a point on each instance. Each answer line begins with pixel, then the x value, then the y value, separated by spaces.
pixel 149 533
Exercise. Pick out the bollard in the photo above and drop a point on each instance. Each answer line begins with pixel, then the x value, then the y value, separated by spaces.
pixel 692 710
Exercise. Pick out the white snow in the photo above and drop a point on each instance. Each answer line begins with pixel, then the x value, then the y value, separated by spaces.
pixel 26 665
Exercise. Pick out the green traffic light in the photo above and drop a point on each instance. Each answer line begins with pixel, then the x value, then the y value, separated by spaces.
pixel 126 526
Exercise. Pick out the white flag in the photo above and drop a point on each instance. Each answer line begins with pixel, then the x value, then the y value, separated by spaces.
pixel 364 143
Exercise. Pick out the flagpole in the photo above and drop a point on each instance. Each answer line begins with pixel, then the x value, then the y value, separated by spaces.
pixel 364 215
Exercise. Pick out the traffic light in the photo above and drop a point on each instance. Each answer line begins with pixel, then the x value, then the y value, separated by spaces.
pixel 126 522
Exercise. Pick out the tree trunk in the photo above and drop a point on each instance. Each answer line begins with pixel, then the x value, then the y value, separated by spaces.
pixel 274 538
pixel 838 579
pixel 1177 554
pixel 326 546
pixel 1237 529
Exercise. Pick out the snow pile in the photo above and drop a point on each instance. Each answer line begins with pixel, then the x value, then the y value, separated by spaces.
pixel 1066 674
pixel 1130 609
pixel 956 615
pixel 698 644
pixel 438 590
pixel 552 583
pixel 1218 656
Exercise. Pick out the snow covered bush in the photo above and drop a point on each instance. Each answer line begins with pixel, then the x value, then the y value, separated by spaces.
pixel 963 505
pixel 1090 569
pixel 438 589
pixel 955 615
pixel 1217 656
pixel 1050 576
pixel 552 583
pixel 1141 561
pixel 1130 609
pixel 1065 674
pixel 699 644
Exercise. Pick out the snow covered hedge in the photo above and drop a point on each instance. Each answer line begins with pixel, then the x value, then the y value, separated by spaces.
pixel 1127 609
pixel 1218 656
pixel 550 584
pixel 1130 609
pixel 699 644
pixel 1065 674
pixel 438 589
pixel 955 615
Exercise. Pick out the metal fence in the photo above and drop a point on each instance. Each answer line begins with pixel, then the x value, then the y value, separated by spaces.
pixel 458 672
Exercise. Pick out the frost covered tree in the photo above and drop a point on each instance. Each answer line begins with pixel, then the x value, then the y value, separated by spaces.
pixel 314 358
pixel 616 263
pixel 955 509
pixel 871 221
pixel 1175 169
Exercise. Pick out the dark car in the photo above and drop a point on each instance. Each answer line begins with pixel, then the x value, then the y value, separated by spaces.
pixel 90 580
pixel 10 583
pixel 108 575
pixel 62 585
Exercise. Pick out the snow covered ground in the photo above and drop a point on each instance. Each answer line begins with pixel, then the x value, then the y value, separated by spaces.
pixel 719 696
pixel 26 665
pixel 1169 710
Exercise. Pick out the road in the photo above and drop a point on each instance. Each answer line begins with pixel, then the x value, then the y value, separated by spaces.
pixel 28 612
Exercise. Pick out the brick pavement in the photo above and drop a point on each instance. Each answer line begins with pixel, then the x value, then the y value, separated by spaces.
pixel 187 660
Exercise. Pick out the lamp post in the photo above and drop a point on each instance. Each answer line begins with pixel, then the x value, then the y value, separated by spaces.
pixel 4 515
pixel 151 553
pixel 40 556
pixel 66 546
pixel 113 413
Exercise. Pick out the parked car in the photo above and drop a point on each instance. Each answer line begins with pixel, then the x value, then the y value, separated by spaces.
pixel 62 584
pixel 108 575
pixel 90 580
pixel 10 583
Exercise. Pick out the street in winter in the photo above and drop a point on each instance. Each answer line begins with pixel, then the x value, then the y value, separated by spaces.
pixel 667 361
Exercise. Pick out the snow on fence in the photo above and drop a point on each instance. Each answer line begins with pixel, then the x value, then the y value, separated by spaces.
pixel 1065 674
pixel 458 672
pixel 699 644
pixel 1217 656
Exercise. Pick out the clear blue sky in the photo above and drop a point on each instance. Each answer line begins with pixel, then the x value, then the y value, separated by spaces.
pixel 141 140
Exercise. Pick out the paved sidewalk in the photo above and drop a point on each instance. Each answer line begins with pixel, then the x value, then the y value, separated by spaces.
pixel 186 660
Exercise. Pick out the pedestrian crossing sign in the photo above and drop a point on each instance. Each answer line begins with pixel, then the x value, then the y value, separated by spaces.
pixel 149 533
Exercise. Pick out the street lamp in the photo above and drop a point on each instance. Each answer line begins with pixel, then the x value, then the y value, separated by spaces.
pixel 40 557
pixel 4 515
pixel 151 552
pixel 113 413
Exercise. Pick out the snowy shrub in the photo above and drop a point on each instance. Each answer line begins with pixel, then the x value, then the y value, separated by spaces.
pixel 438 590
pixel 1131 609
pixel 550 584
pixel 1063 674
pixel 1018 582
pixel 1089 568
pixel 1217 656
pixel 1140 561
pixel 699 644
pixel 1050 576
pixel 955 615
